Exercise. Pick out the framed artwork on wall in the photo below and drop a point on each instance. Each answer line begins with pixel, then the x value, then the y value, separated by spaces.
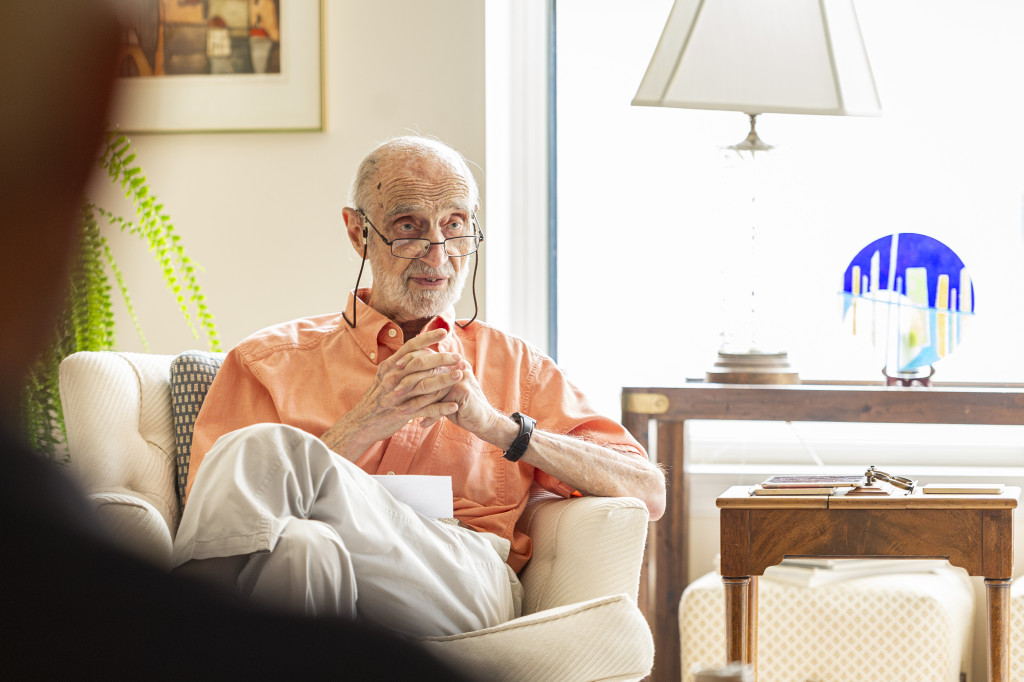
pixel 220 65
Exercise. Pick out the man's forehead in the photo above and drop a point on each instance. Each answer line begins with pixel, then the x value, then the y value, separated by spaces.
pixel 427 207
pixel 412 185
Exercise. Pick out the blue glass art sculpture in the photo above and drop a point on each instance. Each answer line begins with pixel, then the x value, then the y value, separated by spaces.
pixel 912 296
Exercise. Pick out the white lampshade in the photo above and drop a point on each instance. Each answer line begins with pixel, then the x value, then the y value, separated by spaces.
pixel 762 56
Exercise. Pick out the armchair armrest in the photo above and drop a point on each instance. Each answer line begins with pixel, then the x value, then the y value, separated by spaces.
pixel 583 548
pixel 134 525
pixel 117 409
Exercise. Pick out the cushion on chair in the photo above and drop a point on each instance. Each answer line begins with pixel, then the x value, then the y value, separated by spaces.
pixel 599 639
pixel 192 372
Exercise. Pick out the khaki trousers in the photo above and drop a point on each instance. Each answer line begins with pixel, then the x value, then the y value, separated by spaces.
pixel 317 535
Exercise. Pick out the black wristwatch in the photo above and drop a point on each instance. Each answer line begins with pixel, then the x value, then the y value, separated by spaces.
pixel 519 445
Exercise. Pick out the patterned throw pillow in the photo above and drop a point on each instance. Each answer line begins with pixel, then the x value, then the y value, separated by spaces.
pixel 192 372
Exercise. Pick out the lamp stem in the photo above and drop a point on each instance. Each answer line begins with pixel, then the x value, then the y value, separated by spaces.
pixel 752 143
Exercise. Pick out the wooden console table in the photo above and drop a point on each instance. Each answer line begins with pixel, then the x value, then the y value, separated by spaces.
pixel 975 532
pixel 665 573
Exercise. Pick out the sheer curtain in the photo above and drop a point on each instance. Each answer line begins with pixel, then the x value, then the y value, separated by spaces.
pixel 650 231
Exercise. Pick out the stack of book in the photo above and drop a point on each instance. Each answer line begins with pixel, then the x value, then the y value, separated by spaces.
pixel 808 484
pixel 810 572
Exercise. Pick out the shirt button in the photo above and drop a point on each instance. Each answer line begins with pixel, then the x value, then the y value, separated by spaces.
pixel 392 333
pixel 373 356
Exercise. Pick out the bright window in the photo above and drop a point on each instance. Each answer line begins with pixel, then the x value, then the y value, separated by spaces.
pixel 648 237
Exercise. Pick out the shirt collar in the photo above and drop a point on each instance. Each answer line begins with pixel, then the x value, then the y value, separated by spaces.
pixel 374 330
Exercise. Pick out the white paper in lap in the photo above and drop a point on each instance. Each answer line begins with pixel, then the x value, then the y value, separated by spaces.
pixel 430 496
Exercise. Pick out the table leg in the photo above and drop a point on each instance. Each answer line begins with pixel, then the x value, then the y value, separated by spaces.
pixel 997 596
pixel 737 619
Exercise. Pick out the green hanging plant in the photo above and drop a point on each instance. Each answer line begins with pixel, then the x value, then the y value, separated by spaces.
pixel 87 320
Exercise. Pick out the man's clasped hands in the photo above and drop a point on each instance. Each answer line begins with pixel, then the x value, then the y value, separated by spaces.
pixel 421 382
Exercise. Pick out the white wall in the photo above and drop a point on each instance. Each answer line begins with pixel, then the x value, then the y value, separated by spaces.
pixel 262 212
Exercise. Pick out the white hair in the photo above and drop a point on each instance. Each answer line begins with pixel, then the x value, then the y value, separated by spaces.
pixel 415 146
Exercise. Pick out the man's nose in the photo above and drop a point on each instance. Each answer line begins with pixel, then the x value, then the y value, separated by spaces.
pixel 436 256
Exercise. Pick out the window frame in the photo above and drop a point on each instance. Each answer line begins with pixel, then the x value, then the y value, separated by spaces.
pixel 521 261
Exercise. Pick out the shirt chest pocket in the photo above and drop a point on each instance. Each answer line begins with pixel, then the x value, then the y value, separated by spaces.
pixel 452 434
pixel 479 472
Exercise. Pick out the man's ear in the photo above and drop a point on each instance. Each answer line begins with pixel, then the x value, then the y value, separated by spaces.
pixel 356 228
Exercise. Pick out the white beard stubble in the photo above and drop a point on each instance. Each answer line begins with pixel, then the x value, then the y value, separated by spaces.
pixel 393 296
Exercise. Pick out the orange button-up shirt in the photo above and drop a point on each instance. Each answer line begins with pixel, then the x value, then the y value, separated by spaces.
pixel 308 373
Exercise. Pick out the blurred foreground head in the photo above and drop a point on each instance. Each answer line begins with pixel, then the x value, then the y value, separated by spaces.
pixel 57 69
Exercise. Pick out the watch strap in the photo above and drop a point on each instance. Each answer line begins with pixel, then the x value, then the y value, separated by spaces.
pixel 522 441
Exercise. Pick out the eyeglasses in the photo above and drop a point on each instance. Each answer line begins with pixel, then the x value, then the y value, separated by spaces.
pixel 455 247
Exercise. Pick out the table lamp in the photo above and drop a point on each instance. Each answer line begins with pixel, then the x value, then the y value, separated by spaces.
pixel 755 57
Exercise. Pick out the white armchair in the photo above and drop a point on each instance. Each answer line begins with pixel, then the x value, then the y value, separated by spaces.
pixel 580 619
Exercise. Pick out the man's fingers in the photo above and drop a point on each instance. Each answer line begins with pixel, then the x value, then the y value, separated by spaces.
pixel 429 406
pixel 435 411
pixel 434 388
pixel 418 343
pixel 419 366
pixel 428 381
pixel 418 361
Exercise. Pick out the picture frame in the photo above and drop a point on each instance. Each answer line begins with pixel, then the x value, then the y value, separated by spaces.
pixel 290 99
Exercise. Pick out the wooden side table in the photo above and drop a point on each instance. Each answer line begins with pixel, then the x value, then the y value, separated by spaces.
pixel 668 409
pixel 974 532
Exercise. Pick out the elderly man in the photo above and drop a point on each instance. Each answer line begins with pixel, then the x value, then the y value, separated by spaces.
pixel 72 604
pixel 279 496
